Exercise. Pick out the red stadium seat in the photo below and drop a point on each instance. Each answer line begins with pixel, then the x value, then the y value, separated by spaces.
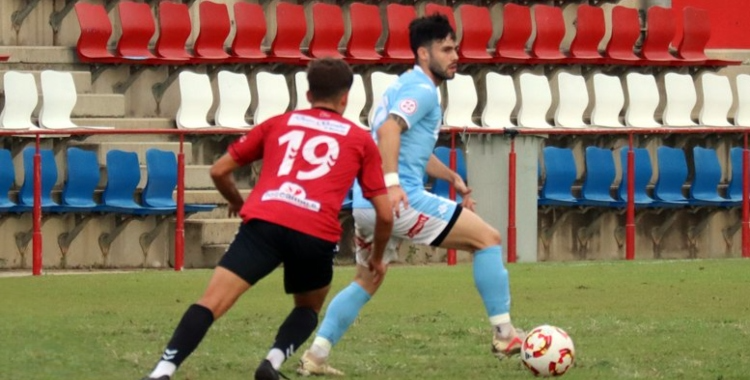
pixel 214 30
pixel 550 30
pixel 660 32
pixel 138 27
pixel 590 30
pixel 445 10
pixel 626 28
pixel 696 28
pixel 366 29
pixel 174 30
pixel 397 48
pixel 291 28
pixel 516 32
pixel 476 31
pixel 95 32
pixel 328 30
pixel 250 24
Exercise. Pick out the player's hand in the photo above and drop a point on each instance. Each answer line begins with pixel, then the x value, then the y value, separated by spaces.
pixel 460 186
pixel 468 203
pixel 377 269
pixel 398 197
pixel 233 209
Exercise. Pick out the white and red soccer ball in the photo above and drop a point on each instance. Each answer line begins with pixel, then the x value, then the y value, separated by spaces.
pixel 548 351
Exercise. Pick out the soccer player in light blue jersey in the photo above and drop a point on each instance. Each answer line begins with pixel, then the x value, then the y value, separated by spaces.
pixel 405 126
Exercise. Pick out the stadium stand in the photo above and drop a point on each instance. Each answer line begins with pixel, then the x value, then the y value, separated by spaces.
pixel 590 30
pixel 21 98
pixel 234 100
pixel 609 101
pixel 680 100
pixel 536 99
pixel 500 100
pixel 196 99
pixel 717 100
pixel 462 100
pixel 643 100
pixel 572 102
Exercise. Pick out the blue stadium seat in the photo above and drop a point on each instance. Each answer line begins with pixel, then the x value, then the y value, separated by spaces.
pixel 560 174
pixel 441 187
pixel 705 188
pixel 643 172
pixel 48 176
pixel 600 174
pixel 123 176
pixel 673 173
pixel 161 171
pixel 83 178
pixel 734 190
pixel 7 177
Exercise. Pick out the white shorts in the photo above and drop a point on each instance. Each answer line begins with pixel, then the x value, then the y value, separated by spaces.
pixel 427 221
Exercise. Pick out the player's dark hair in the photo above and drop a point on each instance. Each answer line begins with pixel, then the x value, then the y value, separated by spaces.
pixel 425 30
pixel 328 78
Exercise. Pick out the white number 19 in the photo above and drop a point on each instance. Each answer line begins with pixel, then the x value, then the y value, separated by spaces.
pixel 294 139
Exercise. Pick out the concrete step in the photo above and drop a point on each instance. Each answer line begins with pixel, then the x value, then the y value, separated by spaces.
pixel 207 232
pixel 129 123
pixel 82 80
pixel 212 253
pixel 94 105
pixel 40 54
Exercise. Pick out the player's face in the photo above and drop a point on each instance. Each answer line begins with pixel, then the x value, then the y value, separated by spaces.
pixel 443 59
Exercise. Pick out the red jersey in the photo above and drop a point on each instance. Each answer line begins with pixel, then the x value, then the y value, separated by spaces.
pixel 310 160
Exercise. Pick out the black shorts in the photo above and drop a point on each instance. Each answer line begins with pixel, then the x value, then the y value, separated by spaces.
pixel 259 247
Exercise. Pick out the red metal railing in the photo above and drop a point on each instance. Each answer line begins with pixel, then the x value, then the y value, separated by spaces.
pixel 630 208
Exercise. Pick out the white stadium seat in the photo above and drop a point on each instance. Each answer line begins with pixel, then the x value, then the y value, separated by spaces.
pixel 609 100
pixel 501 101
pixel 21 98
pixel 717 100
pixel 234 100
pixel 196 98
pixel 536 99
pixel 273 96
pixel 462 100
pixel 681 99
pixel 643 99
pixel 573 100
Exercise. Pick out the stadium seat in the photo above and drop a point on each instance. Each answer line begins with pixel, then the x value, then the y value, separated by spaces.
pixel 379 82
pixel 704 190
pixel 500 101
pixel 660 31
pixel 734 190
pixel 397 48
pixel 673 173
pixel 511 46
pixel 366 28
pixel 462 100
pixel 550 31
pixel 174 29
pixel 442 187
pixel 300 89
pixel 161 172
pixel 717 100
pixel 590 30
pixel 123 176
pixel 250 26
pixel 214 30
pixel 273 96
pixel 643 173
pixel 626 29
pixel 445 10
pixel 680 100
pixel 609 100
pixel 83 178
pixel 21 98
pixel 573 99
pixel 357 102
pixel 742 113
pixel 196 98
pixel 328 30
pixel 696 31
pixel 48 177
pixel 600 174
pixel 59 96
pixel 560 174
pixel 643 99
pixel 7 179
pixel 536 99
pixel 291 27
pixel 234 100
pixel 96 29
pixel 138 27
pixel 476 31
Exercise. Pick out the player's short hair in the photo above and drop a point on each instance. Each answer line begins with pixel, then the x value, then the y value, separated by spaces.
pixel 328 78
pixel 425 30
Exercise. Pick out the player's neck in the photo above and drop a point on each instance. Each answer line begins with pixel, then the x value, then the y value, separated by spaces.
pixel 326 106
pixel 426 70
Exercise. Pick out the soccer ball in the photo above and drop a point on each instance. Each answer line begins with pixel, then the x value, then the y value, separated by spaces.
pixel 548 351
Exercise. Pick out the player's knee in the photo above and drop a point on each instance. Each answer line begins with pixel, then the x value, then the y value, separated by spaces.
pixel 490 237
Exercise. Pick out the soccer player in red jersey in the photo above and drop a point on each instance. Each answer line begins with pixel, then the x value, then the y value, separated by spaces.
pixel 310 160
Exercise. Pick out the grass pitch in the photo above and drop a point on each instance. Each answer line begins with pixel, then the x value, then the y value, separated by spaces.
pixel 629 320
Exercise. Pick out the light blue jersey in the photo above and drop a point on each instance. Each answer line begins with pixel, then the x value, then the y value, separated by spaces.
pixel 414 98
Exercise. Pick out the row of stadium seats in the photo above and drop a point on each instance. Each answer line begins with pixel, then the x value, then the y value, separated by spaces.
pixel 501 100
pixel 474 24
pixel 83 178
pixel 672 166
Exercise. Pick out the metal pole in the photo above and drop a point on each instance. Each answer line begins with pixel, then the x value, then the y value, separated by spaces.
pixel 452 192
pixel 630 218
pixel 745 200
pixel 512 201
pixel 179 231
pixel 37 211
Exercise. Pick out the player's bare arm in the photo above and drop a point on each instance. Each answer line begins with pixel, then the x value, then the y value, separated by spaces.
pixel 437 169
pixel 221 174
pixel 389 143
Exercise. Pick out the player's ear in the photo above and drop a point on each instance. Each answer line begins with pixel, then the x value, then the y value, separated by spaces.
pixel 344 100
pixel 423 54
pixel 309 97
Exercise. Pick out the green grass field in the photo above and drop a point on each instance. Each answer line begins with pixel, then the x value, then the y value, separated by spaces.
pixel 629 320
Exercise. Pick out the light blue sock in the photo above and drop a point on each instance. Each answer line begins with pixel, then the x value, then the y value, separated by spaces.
pixel 491 280
pixel 342 312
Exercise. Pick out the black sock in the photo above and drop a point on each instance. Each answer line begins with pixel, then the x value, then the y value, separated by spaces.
pixel 295 330
pixel 192 328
